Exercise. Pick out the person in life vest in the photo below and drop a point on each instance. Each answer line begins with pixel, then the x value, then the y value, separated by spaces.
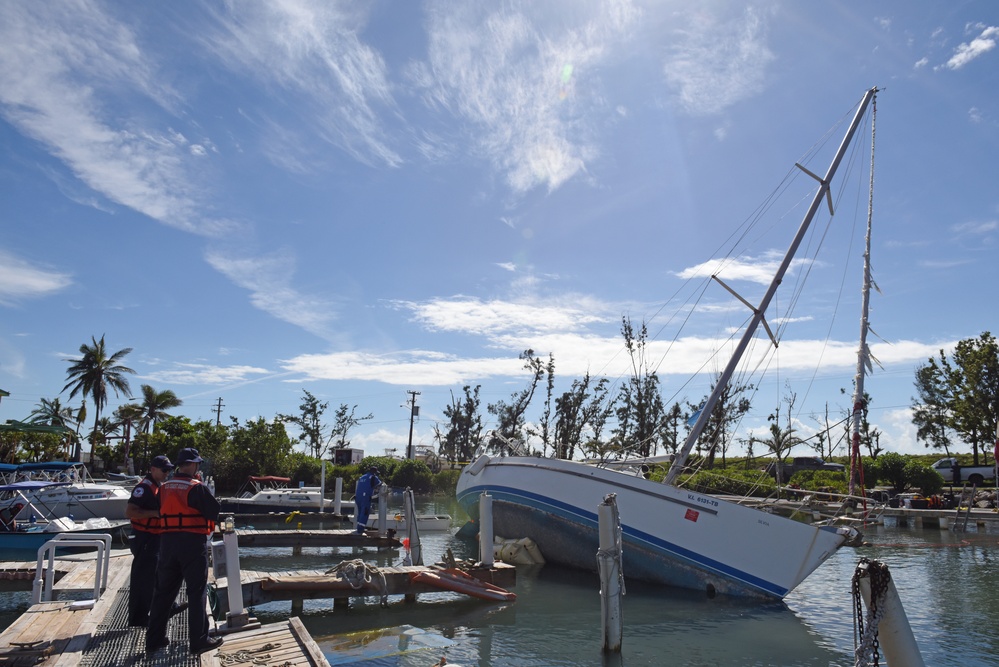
pixel 365 488
pixel 143 510
pixel 188 512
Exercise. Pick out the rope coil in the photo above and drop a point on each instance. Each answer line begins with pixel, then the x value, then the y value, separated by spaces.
pixel 358 574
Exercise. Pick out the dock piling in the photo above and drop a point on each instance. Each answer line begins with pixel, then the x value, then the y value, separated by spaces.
pixel 486 529
pixel 611 574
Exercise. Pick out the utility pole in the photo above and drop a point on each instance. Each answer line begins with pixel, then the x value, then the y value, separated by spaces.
pixel 218 412
pixel 413 413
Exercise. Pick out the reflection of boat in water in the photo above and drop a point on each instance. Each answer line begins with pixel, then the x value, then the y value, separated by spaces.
pixel 265 494
pixel 671 535
pixel 61 488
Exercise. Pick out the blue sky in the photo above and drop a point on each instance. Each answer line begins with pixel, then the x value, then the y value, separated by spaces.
pixel 367 198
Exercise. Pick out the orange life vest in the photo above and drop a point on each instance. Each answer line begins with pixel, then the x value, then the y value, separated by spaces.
pixel 176 515
pixel 152 524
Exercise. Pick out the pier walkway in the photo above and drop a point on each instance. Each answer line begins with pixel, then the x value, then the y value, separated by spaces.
pixel 86 633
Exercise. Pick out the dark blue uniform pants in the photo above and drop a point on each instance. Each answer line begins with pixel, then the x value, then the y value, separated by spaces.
pixel 145 549
pixel 183 559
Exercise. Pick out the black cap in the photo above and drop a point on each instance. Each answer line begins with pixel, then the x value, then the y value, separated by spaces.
pixel 188 455
pixel 373 469
pixel 161 462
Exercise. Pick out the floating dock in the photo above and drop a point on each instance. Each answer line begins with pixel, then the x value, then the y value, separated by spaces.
pixel 297 539
pixel 65 633
pixel 263 587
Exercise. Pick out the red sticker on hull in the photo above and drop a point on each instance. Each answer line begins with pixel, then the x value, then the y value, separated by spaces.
pixel 692 515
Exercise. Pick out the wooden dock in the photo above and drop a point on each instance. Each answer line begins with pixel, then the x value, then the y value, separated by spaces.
pixel 297 539
pixel 263 587
pixel 85 633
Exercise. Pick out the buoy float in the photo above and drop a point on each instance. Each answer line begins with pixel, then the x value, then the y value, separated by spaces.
pixel 453 579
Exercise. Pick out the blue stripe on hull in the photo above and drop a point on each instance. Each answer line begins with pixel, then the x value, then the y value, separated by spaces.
pixel 568 535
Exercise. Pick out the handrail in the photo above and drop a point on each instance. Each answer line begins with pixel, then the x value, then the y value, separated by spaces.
pixel 41 589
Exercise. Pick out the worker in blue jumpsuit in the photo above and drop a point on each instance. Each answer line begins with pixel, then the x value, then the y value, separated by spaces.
pixel 365 489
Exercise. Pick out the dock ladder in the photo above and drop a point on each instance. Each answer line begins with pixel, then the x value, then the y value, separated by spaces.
pixel 41 589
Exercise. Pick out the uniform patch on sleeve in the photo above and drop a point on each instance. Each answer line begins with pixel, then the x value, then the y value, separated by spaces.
pixel 137 493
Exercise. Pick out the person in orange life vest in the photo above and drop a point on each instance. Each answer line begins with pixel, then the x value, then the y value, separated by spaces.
pixel 143 510
pixel 363 491
pixel 188 512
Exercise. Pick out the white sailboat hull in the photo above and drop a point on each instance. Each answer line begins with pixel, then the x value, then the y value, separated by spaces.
pixel 671 536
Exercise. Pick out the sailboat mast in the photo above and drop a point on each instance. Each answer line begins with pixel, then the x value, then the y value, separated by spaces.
pixel 726 376
pixel 863 353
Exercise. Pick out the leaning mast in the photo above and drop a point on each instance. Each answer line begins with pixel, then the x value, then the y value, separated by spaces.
pixel 760 311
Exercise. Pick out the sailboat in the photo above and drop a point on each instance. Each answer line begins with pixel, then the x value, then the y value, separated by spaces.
pixel 671 535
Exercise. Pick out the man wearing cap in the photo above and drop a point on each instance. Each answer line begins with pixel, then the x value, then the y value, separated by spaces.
pixel 188 512
pixel 363 492
pixel 143 510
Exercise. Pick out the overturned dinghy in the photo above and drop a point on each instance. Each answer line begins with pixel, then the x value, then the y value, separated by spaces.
pixel 453 579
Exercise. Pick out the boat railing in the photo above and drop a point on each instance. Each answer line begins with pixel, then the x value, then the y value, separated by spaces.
pixel 41 590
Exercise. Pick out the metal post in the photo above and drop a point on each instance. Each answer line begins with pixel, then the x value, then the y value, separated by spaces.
pixel 337 493
pixel 894 634
pixel 412 530
pixel 322 486
pixel 383 493
pixel 611 578
pixel 486 529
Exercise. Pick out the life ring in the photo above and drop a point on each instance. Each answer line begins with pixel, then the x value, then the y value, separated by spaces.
pixel 459 582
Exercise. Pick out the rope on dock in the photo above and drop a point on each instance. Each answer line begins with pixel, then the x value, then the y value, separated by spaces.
pixel 357 573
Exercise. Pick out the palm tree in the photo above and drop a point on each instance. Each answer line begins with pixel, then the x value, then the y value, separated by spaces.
pixel 93 373
pixel 155 405
pixel 129 414
pixel 54 413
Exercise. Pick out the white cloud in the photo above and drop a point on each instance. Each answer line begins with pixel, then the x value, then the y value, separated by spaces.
pixel 968 51
pixel 716 62
pixel 268 280
pixel 313 52
pixel 759 270
pixel 57 62
pixel 201 374
pixel 477 317
pixel 512 77
pixel 20 280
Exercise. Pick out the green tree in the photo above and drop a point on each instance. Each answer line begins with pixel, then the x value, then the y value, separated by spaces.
pixel 891 471
pixel 781 438
pixel 310 423
pixel 543 430
pixel 463 437
pixel 729 409
pixel 511 417
pixel 128 415
pixel 640 410
pixel 344 420
pixel 578 412
pixel 155 405
pixel 94 373
pixel 960 393
pixel 52 412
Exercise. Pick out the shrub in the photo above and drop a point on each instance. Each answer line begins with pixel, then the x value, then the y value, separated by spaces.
pixel 924 478
pixel 891 471
pixel 732 482
pixel 446 481
pixel 821 479
pixel 413 474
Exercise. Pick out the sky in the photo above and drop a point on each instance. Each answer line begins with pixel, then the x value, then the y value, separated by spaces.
pixel 366 199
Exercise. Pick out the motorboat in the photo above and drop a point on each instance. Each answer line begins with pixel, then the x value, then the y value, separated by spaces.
pixel 671 535
pixel 268 494
pixel 424 522
pixel 38 527
pixel 63 489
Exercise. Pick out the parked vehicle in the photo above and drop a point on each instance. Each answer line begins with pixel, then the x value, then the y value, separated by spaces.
pixel 976 475
pixel 800 463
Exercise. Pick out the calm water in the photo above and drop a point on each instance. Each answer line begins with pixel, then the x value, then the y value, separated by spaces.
pixel 945 579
